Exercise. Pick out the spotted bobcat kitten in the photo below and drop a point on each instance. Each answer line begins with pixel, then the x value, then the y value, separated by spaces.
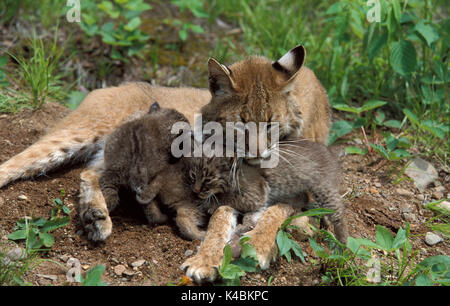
pixel 304 166
pixel 137 155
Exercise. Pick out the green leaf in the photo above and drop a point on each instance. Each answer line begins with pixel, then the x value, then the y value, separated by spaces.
pixel 318 250
pixel 397 10
pixel 346 108
pixel 18 235
pixel 94 276
pixel 342 127
pixel 411 116
pixel 423 280
pixel 403 57
pixel 51 225
pixel 371 105
pixel 383 238
pixel 75 98
pixel 283 242
pixel 391 143
pixel 355 150
pixel 109 8
pixel 400 239
pixel 246 264
pixel 427 32
pixel 393 124
pixel 380 149
pixel 133 24
pixel 47 239
pixel 3 60
pixel 376 45
pixel 298 251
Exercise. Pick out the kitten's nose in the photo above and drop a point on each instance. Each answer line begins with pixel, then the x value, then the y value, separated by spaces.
pixel 196 189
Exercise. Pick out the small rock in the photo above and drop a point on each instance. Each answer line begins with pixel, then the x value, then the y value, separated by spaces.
pixel 51 277
pixel 155 261
pixel 404 192
pixel 432 239
pixel 421 197
pixel 373 190
pixel 64 257
pixel 138 263
pixel 22 197
pixel 378 185
pixel 437 195
pixel 444 205
pixel 85 267
pixel 16 254
pixel 422 172
pixel 119 269
pixel 128 273
pixel 114 260
pixel 79 232
pixel 440 189
pixel 188 253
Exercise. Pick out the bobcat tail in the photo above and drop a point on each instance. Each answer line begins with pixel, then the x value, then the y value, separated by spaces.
pixel 53 150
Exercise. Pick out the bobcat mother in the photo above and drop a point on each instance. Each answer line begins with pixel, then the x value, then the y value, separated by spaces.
pixel 255 89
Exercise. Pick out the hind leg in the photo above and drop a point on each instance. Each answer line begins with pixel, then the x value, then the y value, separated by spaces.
pixel 93 210
pixel 154 214
pixel 188 220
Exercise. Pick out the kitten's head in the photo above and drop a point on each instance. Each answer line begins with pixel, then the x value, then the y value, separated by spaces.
pixel 256 90
pixel 208 176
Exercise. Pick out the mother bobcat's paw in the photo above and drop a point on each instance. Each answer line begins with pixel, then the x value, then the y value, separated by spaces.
pixel 201 268
pixel 265 247
pixel 97 223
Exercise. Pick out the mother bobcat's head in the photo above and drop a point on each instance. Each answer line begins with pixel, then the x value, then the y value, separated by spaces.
pixel 257 90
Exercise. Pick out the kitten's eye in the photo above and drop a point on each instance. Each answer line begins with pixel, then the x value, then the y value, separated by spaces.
pixel 192 175
pixel 206 181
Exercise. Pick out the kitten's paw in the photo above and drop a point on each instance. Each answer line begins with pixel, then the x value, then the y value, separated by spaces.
pixel 202 268
pixel 265 247
pixel 97 223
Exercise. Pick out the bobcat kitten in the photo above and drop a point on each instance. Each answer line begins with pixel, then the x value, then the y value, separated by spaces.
pixel 137 155
pixel 303 166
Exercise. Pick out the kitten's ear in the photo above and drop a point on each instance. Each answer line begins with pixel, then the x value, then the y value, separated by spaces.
pixel 155 107
pixel 291 62
pixel 220 82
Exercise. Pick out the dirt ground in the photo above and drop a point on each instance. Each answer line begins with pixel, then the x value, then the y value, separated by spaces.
pixel 371 199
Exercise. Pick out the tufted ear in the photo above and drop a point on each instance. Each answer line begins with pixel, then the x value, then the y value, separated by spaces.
pixel 155 107
pixel 220 82
pixel 291 62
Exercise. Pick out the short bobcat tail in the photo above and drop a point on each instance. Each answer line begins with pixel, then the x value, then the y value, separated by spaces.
pixel 51 151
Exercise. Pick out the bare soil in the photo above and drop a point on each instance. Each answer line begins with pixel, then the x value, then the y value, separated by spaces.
pixel 371 199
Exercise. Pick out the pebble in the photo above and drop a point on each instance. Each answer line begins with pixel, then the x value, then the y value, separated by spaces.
pixel 440 189
pixel 16 254
pixel 22 197
pixel 128 273
pixel 432 239
pixel 437 195
pixel 119 269
pixel 79 232
pixel 64 257
pixel 188 253
pixel 51 277
pixel 444 205
pixel 373 190
pixel 422 172
pixel 378 185
pixel 404 192
pixel 2 201
pixel 85 267
pixel 138 263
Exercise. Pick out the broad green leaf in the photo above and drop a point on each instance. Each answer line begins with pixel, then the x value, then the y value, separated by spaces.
pixel 51 225
pixel 411 116
pixel 47 239
pixel 246 264
pixel 355 150
pixel 3 60
pixel 94 276
pixel 283 242
pixel 380 149
pixel 383 238
pixel 397 10
pixel 423 280
pixel 17 235
pixel 371 105
pixel 227 256
pixel 298 251
pixel 393 124
pixel 403 57
pixel 133 24
pixel 427 32
pixel 232 271
pixel 342 127
pixel 346 108
pixel 248 251
pixel 320 252
pixel 367 242
pixel 376 45
pixel 391 143
pixel 400 239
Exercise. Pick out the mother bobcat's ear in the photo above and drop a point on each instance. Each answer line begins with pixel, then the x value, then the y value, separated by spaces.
pixel 291 62
pixel 220 82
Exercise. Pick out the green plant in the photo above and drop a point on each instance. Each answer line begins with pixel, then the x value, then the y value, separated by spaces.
pixel 39 73
pixel 196 8
pixel 117 23
pixel 440 222
pixel 93 277
pixel 12 270
pixel 232 270
pixel 3 61
pixel 36 231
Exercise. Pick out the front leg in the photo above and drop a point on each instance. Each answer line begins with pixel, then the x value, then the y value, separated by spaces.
pixel 204 265
pixel 149 192
pixel 92 208
pixel 263 236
